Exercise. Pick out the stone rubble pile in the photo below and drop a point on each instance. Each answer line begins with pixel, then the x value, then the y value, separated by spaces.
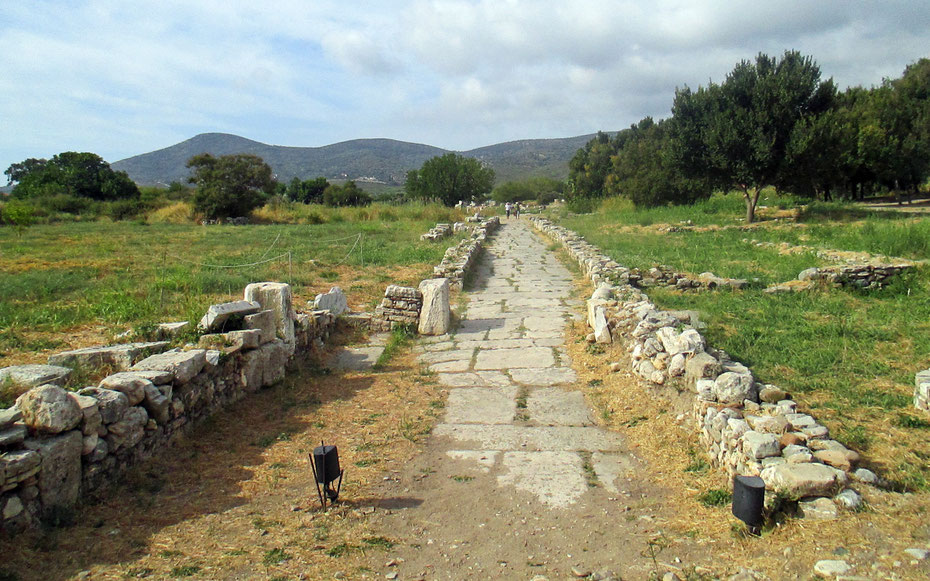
pixel 858 275
pixel 400 306
pixel 437 232
pixel 666 276
pixel 459 258
pixel 847 256
pixel 746 427
pixel 56 445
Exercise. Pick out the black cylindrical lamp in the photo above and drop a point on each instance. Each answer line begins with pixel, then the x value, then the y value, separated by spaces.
pixel 325 463
pixel 749 500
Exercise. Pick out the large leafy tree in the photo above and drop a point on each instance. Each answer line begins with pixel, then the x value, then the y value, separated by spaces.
pixel 589 167
pixel 307 191
pixel 737 133
pixel 229 185
pixel 642 169
pixel 449 179
pixel 80 174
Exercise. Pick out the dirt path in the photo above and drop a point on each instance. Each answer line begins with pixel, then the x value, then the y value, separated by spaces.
pixel 517 480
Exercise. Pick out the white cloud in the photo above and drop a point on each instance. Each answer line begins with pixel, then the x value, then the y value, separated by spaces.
pixel 123 78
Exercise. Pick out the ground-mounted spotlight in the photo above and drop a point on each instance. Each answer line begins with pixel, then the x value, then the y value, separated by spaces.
pixel 325 464
pixel 748 501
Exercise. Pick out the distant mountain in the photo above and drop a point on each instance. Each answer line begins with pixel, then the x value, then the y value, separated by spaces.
pixel 373 160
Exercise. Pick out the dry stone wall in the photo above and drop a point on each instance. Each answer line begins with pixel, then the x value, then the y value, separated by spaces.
pixel 402 305
pixel 56 445
pixel 745 426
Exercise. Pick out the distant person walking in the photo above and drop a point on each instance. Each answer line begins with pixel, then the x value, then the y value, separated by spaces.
pixel 516 210
pixel 508 207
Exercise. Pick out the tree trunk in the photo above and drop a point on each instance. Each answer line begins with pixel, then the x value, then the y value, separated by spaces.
pixel 751 201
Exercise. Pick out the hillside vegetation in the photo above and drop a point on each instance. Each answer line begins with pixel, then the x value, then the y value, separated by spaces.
pixel 385 160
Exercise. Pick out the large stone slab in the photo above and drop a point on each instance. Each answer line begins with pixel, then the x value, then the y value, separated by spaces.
pixel 218 315
pixel 556 478
pixel 434 314
pixel 509 437
pixel 120 357
pixel 33 375
pixel 515 358
pixel 803 480
pixel 182 365
pixel 556 407
pixel 544 377
pixel 481 405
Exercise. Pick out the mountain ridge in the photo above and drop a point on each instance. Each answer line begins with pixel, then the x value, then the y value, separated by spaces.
pixel 376 160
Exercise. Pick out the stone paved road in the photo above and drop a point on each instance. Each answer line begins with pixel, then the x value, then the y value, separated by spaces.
pixel 505 365
pixel 516 480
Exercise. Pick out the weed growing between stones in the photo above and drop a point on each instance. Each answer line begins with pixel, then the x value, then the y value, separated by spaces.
pixel 401 338
pixel 715 497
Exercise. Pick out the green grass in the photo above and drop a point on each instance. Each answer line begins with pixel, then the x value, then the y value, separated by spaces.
pixel 57 277
pixel 848 355
pixel 401 338
pixel 714 497
pixel 275 556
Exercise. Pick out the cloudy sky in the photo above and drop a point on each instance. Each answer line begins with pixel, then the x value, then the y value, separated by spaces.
pixel 123 78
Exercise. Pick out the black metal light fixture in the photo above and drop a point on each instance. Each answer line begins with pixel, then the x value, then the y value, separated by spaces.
pixel 325 464
pixel 748 501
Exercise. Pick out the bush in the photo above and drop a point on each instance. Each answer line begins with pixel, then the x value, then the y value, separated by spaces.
pixel 347 195
pixel 123 209
pixel 66 203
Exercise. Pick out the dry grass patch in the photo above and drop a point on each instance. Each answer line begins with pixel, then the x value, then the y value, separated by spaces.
pixel 235 499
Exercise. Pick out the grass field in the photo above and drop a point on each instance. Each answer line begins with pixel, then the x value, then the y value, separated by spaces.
pixel 849 356
pixel 67 285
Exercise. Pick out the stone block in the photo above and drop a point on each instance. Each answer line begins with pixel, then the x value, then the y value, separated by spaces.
pixel 120 357
pixel 11 436
pixel 128 431
pixel 92 420
pixel 732 387
pixel 48 409
pixel 111 404
pixel 182 365
pixel 333 301
pixel 219 315
pixel 10 416
pixel 156 404
pixel 60 475
pixel 274 360
pixel 276 296
pixel 264 323
pixel 128 383
pixel 817 509
pixel 600 328
pixel 234 341
pixel 251 370
pixel 758 445
pixel 33 375
pixel 802 480
pixel 435 313
pixel 701 366
pixel 171 330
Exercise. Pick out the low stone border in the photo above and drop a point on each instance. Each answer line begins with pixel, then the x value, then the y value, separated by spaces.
pixel 57 445
pixel 746 427
pixel 401 305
